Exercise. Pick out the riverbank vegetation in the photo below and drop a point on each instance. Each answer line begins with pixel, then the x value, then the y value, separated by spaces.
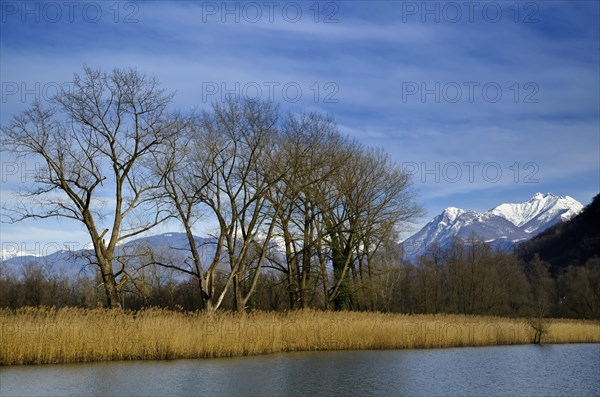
pixel 49 335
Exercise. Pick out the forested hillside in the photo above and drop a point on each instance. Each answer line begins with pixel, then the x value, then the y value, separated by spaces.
pixel 572 243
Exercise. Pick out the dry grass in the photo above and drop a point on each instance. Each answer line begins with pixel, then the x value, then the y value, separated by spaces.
pixel 42 335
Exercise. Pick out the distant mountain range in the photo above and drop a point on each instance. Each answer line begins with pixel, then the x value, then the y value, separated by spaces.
pixel 502 226
pixel 167 247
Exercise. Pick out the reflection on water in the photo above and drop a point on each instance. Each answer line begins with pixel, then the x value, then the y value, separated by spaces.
pixel 564 370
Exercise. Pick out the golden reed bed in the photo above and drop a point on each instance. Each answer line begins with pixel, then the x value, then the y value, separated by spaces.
pixel 46 335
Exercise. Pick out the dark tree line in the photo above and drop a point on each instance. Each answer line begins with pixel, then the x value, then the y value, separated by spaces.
pixel 570 243
pixel 464 278
pixel 472 278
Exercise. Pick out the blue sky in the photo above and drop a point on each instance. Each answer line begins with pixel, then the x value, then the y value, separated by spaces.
pixel 485 102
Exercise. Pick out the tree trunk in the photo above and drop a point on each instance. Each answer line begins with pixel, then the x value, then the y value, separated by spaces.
pixel 342 300
pixel 110 286
pixel 239 304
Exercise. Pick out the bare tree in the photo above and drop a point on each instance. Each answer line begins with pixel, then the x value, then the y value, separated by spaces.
pixel 96 143
pixel 542 289
pixel 309 143
pixel 247 170
pixel 341 201
pixel 368 195
pixel 223 169
pixel 188 167
pixel 377 274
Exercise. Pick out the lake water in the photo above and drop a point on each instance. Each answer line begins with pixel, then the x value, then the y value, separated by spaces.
pixel 551 370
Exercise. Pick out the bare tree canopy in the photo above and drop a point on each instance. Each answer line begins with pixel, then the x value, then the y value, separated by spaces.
pixel 288 193
pixel 97 143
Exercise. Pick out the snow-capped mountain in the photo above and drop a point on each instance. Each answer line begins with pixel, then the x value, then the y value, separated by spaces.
pixel 503 225
pixel 166 248
pixel 540 212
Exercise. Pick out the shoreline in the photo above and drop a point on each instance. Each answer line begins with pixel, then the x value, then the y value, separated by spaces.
pixel 126 360
pixel 70 335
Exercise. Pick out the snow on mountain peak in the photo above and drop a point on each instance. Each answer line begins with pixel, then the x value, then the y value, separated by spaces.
pixel 539 210
pixel 451 213
pixel 548 196
pixel 505 224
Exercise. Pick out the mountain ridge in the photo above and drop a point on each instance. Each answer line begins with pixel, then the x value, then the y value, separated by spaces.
pixel 167 247
pixel 504 225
